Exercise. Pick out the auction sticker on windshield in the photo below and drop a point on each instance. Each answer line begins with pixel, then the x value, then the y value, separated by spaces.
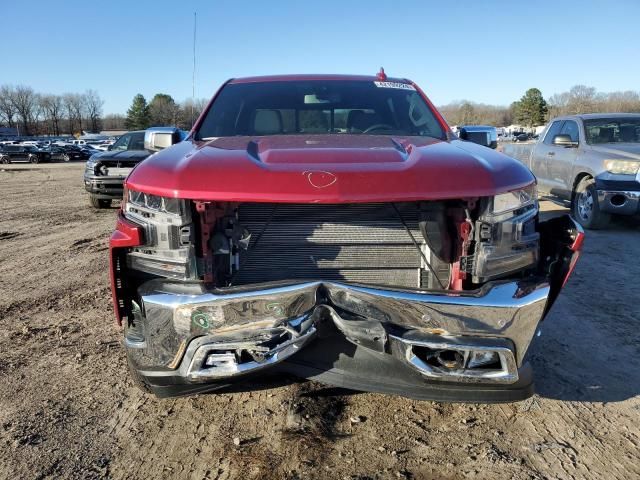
pixel 402 86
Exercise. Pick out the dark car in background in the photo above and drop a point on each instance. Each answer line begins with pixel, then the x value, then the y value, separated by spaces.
pixel 23 153
pixel 105 171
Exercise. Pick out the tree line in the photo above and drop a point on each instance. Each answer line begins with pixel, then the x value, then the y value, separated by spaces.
pixel 34 113
pixel 532 109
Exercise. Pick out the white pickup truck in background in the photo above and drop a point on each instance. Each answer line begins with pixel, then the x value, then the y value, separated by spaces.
pixel 591 160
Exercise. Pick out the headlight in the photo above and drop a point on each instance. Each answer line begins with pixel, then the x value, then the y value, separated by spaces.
pixel 154 203
pixel 622 167
pixel 506 236
pixel 514 200
pixel 168 250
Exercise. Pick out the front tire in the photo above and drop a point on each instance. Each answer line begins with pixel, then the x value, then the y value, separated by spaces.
pixel 34 159
pixel 99 202
pixel 5 160
pixel 66 158
pixel 585 208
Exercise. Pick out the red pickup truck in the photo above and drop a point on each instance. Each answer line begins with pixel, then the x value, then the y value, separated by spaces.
pixel 333 228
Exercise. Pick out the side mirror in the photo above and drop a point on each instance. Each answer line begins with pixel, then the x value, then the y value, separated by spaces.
pixel 479 137
pixel 109 147
pixel 159 138
pixel 564 141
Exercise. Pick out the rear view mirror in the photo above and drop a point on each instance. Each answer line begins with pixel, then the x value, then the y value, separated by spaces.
pixel 564 141
pixel 159 138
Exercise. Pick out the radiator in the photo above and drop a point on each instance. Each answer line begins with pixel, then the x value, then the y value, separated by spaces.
pixel 363 243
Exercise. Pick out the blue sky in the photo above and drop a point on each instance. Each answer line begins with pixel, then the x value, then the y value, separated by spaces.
pixel 484 51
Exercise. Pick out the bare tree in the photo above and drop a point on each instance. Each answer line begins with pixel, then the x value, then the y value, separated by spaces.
pixel 114 121
pixel 53 107
pixel 582 99
pixel 93 108
pixel 190 111
pixel 74 109
pixel 466 113
pixel 67 101
pixel 7 109
pixel 24 100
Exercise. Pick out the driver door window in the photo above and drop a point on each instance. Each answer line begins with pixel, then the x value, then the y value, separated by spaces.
pixel 122 143
pixel 570 128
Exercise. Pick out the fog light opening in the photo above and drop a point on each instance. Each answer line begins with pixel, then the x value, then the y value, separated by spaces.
pixel 223 360
pixel 618 200
pixel 450 359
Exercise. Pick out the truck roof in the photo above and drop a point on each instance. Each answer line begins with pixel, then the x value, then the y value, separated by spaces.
pixel 303 77
pixel 589 116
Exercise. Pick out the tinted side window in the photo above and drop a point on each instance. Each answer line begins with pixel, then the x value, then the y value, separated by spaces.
pixel 570 128
pixel 137 141
pixel 122 143
pixel 554 130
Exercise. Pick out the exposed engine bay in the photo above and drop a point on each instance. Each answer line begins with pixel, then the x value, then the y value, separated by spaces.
pixel 452 244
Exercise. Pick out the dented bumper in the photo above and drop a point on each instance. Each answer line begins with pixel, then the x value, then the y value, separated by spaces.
pixel 423 344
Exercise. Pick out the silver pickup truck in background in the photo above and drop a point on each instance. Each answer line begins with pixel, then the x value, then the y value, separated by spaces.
pixel 592 160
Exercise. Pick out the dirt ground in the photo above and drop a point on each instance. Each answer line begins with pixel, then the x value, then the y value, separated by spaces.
pixel 69 410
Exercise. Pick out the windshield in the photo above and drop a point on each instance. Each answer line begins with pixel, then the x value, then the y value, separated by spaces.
pixel 612 130
pixel 319 107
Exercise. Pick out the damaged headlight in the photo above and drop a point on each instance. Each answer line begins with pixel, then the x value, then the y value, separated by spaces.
pixel 506 236
pixel 168 249
pixel 514 200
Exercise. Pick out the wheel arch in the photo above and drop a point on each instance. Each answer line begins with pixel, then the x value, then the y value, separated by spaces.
pixel 578 178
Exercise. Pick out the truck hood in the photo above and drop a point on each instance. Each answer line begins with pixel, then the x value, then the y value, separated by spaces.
pixel 627 150
pixel 125 155
pixel 327 169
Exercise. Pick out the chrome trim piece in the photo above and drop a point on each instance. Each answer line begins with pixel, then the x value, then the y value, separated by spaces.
pixel 508 373
pixel 629 207
pixel 230 367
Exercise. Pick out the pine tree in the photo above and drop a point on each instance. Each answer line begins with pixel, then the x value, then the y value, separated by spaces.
pixel 138 117
pixel 531 109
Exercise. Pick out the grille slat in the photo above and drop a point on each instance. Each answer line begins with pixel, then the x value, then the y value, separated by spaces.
pixel 352 243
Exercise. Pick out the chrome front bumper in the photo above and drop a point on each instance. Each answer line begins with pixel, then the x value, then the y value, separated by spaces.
pixel 619 202
pixel 198 336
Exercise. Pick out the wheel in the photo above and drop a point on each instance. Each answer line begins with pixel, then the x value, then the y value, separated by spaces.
pixel 5 160
pixel 65 157
pixel 99 202
pixel 34 159
pixel 585 206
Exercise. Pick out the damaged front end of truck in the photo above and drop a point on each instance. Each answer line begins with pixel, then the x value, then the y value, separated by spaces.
pixel 435 300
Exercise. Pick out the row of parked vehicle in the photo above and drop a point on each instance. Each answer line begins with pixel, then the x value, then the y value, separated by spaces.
pixel 34 151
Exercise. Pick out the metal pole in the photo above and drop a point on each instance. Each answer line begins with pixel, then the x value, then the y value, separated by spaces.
pixel 193 79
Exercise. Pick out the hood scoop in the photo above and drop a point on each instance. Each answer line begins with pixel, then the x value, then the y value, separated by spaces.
pixel 318 151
